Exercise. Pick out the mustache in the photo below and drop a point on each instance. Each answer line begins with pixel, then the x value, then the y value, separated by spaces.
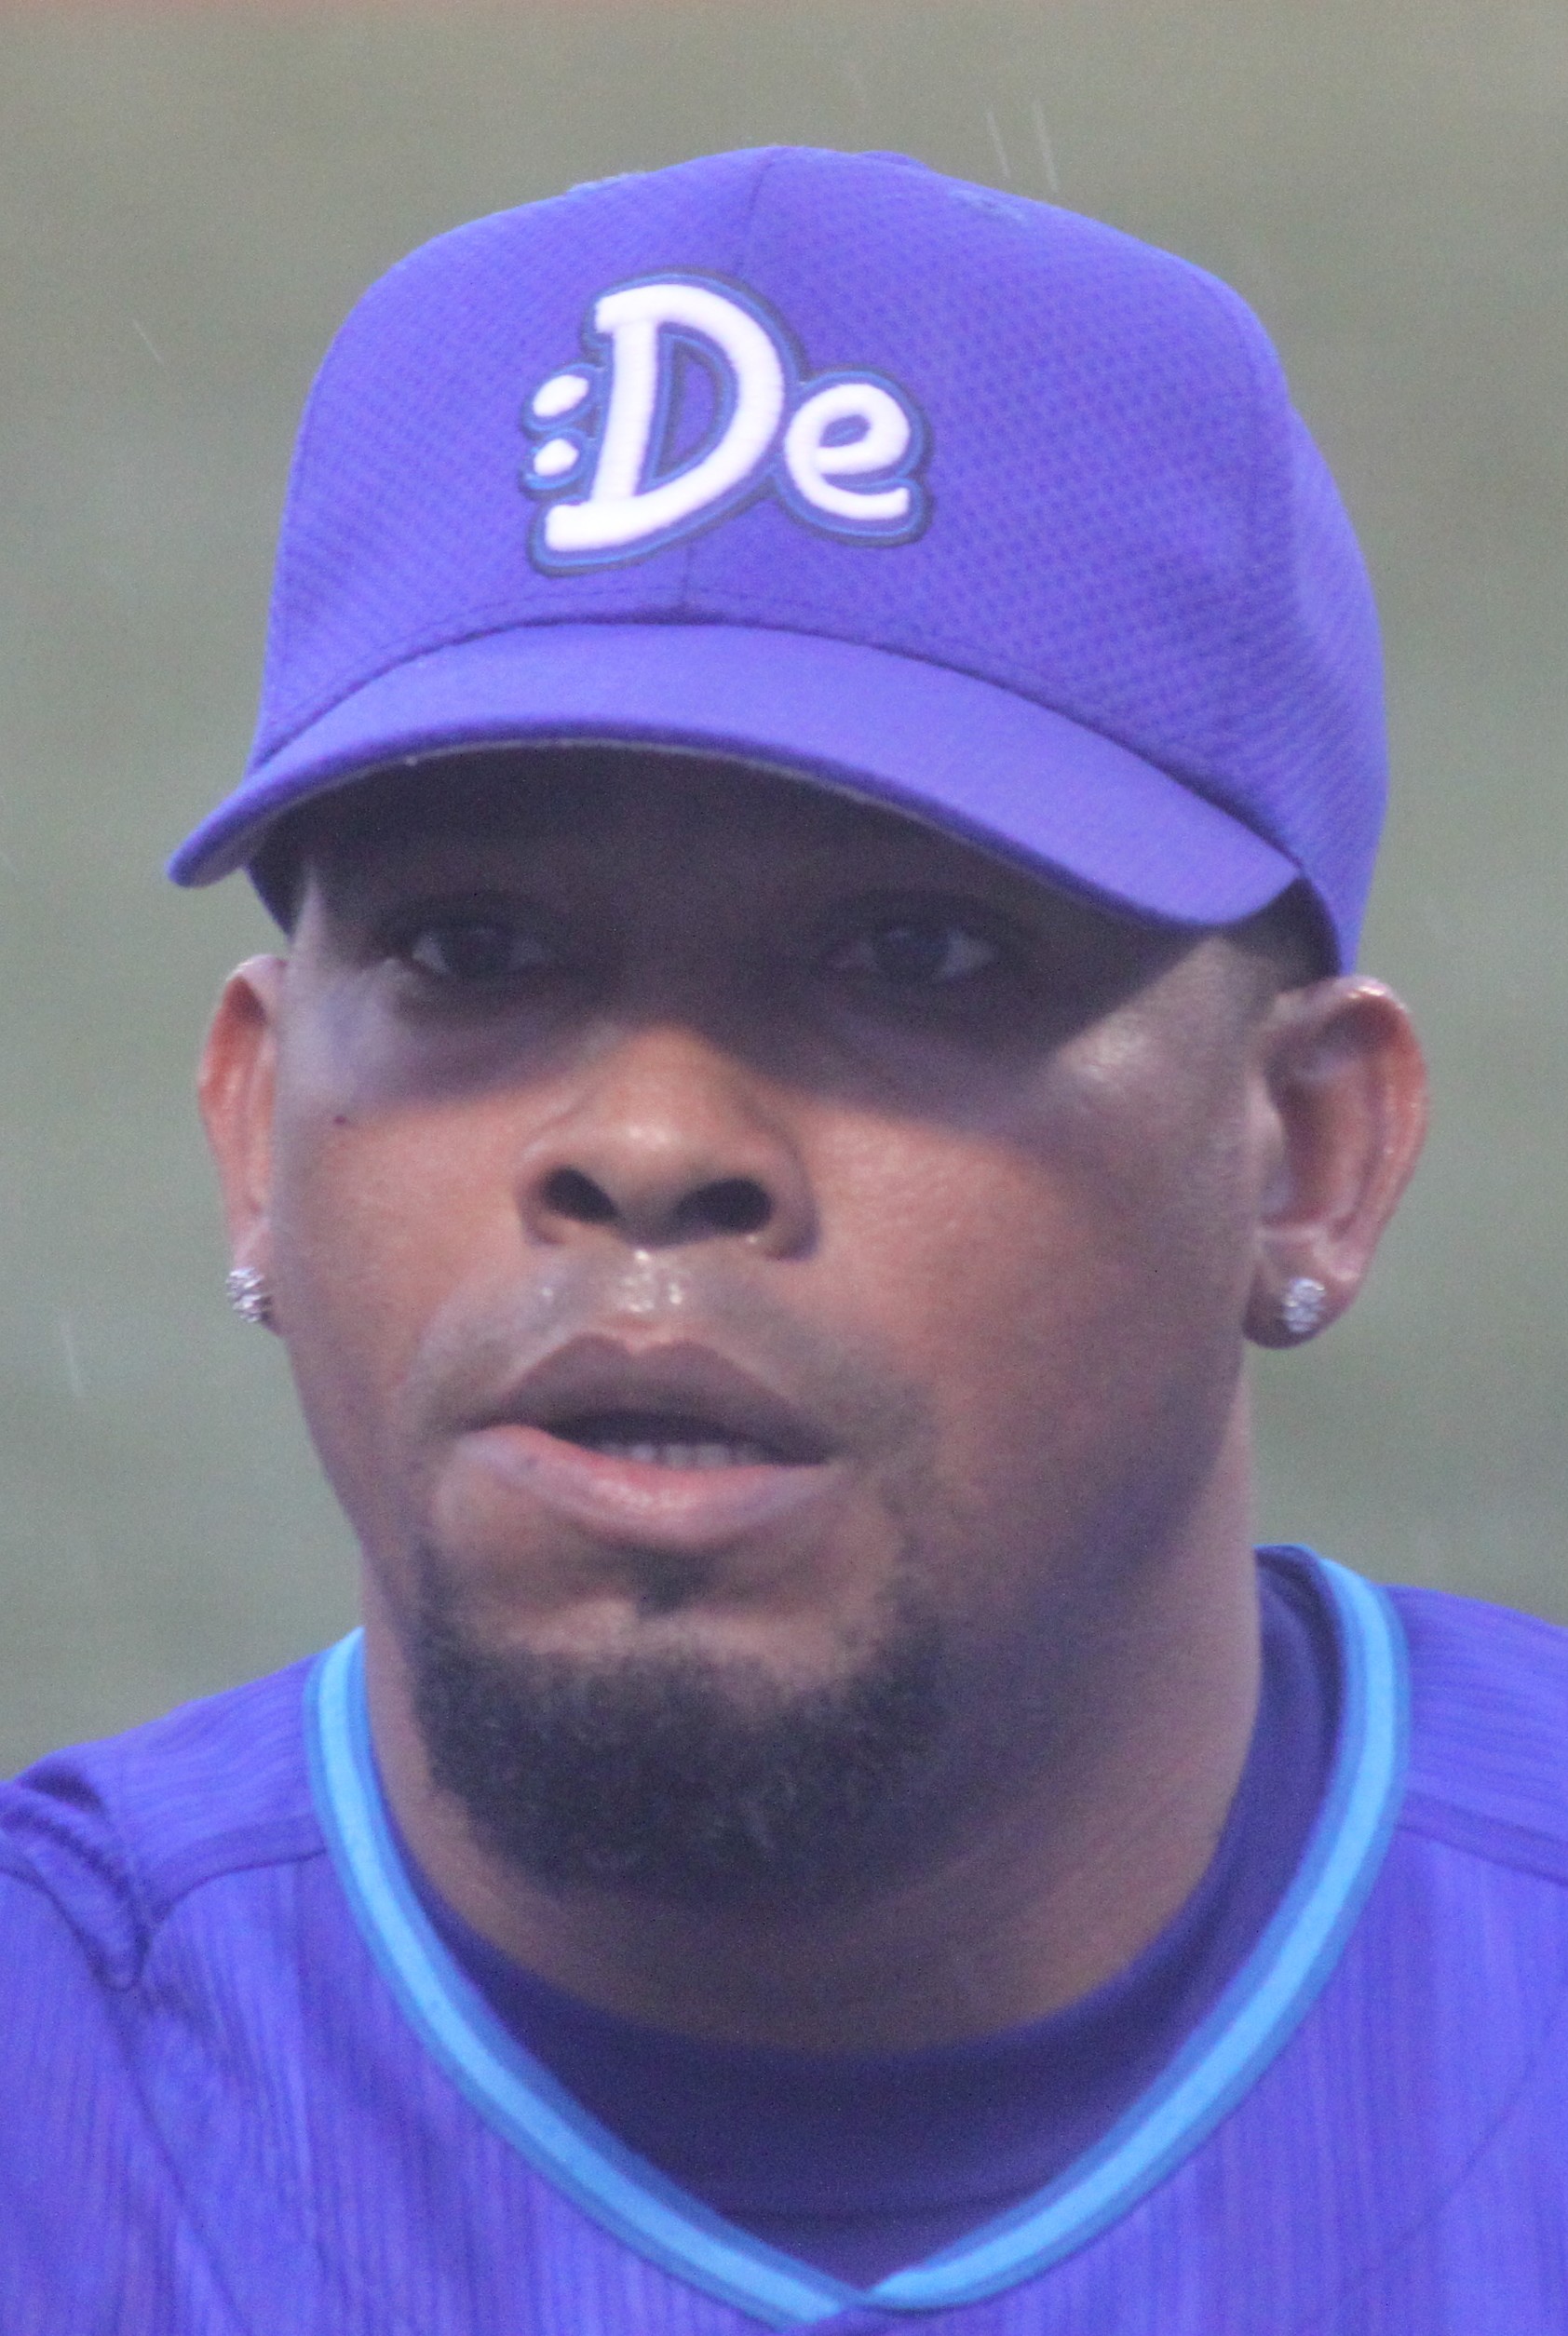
pixel 477 1347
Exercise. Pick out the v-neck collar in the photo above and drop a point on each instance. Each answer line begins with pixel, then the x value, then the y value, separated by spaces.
pixel 1224 2056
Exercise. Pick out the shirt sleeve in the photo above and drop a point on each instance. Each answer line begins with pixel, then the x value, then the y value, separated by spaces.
pixel 93 2238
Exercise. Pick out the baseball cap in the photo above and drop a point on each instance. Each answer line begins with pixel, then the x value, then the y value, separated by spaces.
pixel 828 462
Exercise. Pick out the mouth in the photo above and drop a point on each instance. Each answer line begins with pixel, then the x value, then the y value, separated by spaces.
pixel 678 1405
pixel 673 1446
pixel 656 1439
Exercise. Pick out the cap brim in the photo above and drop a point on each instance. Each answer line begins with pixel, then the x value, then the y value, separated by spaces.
pixel 980 761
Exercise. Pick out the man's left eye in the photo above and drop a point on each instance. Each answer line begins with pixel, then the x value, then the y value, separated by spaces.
pixel 475 948
pixel 916 952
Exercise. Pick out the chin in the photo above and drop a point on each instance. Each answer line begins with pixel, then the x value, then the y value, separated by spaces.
pixel 675 1759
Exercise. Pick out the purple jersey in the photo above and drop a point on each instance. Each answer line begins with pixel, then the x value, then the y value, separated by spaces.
pixel 247 2088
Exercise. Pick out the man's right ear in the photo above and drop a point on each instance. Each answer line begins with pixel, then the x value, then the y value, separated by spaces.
pixel 236 1086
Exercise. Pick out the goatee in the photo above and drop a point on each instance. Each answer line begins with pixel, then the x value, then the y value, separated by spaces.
pixel 698 1782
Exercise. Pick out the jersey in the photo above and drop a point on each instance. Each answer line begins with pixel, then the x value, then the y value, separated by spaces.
pixel 246 2090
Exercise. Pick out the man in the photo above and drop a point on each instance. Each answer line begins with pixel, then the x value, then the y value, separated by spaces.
pixel 820 877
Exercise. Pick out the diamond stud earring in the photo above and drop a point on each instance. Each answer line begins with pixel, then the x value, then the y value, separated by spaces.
pixel 249 1295
pixel 1303 1306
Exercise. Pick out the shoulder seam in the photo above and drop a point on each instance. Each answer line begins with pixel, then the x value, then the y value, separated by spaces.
pixel 281 1841
pixel 19 1868
pixel 1497 1840
pixel 149 1905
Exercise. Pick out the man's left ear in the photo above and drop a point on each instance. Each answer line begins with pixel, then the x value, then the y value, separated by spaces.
pixel 1345 1087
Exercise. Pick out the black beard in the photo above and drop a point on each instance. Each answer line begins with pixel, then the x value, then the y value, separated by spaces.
pixel 700 1784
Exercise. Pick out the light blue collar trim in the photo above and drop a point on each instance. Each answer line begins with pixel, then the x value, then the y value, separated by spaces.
pixel 511 2090
pixel 1247 2026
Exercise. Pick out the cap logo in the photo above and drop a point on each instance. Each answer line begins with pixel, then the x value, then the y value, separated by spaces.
pixel 840 450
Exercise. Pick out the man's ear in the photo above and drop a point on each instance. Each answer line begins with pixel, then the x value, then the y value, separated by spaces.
pixel 1346 1097
pixel 236 1086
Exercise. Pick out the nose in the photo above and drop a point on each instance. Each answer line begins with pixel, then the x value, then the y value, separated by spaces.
pixel 669 1141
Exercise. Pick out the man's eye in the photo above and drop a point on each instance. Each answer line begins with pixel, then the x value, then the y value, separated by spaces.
pixel 916 952
pixel 475 948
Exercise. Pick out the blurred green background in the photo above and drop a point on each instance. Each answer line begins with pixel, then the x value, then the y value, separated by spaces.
pixel 188 203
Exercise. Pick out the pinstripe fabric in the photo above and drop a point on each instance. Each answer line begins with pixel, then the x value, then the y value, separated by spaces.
pixel 220 2117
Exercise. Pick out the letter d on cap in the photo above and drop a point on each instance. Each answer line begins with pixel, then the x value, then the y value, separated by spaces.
pixel 620 511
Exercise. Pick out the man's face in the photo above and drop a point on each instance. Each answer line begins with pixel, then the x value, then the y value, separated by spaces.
pixel 760 1276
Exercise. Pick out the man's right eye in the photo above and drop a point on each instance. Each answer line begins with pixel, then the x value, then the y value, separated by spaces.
pixel 476 947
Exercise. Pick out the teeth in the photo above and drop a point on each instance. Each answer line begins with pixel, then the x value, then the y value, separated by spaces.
pixel 705 1455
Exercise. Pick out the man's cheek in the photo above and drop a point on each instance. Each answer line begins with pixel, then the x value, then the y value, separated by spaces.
pixel 375 1211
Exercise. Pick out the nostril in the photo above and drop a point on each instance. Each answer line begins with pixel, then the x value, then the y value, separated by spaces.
pixel 568 1192
pixel 734 1204
pixel 730 1203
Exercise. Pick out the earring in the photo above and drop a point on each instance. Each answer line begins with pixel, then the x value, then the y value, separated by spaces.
pixel 249 1295
pixel 1303 1306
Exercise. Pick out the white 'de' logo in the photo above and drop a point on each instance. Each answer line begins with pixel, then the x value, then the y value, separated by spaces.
pixel 840 450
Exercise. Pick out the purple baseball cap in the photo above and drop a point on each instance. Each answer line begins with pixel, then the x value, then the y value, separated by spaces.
pixel 829 464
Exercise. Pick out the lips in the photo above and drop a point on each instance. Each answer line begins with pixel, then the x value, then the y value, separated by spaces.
pixel 673 1447
pixel 675 1405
